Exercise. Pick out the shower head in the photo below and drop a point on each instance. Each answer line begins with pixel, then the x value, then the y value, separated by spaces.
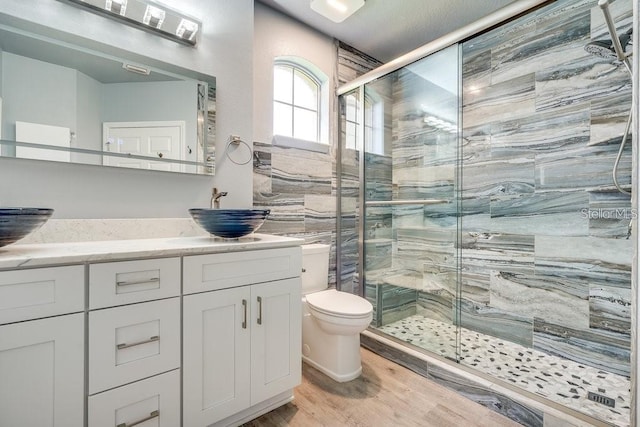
pixel 602 49
pixel 619 43
pixel 606 49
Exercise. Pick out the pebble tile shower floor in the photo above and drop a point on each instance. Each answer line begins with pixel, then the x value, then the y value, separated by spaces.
pixel 559 380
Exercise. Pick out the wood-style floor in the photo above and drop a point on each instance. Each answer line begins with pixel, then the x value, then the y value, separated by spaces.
pixel 386 394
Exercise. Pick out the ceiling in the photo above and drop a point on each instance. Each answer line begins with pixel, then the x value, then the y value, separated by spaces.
pixel 387 29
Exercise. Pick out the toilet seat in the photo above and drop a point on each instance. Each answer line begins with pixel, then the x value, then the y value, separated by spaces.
pixel 339 304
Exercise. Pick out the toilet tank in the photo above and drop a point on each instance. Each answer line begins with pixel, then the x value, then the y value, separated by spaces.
pixel 315 267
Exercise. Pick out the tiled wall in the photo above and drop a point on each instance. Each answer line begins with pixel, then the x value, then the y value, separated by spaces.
pixel 545 259
pixel 296 185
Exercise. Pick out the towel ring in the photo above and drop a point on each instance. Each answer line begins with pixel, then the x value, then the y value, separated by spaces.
pixel 234 140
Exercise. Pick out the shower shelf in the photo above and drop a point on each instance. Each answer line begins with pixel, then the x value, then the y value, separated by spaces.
pixel 406 202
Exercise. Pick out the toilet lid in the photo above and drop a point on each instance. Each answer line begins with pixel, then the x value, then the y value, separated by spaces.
pixel 341 304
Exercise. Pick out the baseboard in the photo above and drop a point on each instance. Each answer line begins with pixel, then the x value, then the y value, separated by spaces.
pixel 256 410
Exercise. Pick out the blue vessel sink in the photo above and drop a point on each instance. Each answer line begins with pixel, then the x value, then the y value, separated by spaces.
pixel 229 223
pixel 16 223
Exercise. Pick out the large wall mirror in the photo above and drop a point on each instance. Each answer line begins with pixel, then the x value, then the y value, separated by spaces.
pixel 66 103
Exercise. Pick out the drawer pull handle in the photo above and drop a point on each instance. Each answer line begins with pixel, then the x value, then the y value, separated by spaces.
pixel 137 282
pixel 244 319
pixel 151 339
pixel 259 310
pixel 154 414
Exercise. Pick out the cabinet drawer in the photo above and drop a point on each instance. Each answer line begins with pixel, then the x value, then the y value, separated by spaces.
pixel 219 271
pixel 133 342
pixel 41 292
pixel 153 401
pixel 126 282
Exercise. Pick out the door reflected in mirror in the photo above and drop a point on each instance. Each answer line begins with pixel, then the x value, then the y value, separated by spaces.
pixel 66 103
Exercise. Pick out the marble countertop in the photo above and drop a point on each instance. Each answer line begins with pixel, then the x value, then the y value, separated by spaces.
pixel 47 254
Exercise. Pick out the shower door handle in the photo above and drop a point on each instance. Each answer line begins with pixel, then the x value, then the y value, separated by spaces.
pixel 370 203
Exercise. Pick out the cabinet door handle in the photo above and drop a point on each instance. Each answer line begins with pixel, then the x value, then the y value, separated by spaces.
pixel 259 310
pixel 133 344
pixel 154 414
pixel 137 282
pixel 244 318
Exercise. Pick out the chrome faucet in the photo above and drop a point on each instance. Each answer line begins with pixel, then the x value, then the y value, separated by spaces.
pixel 215 198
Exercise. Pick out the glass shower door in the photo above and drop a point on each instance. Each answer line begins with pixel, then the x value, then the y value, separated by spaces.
pixel 408 123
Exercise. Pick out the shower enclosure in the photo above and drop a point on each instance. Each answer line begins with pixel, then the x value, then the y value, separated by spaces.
pixel 477 210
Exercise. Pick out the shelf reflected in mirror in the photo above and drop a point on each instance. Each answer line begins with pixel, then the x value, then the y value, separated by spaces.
pixel 52 153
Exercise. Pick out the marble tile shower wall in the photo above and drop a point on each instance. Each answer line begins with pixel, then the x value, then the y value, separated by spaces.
pixel 545 257
pixel 298 184
pixel 350 219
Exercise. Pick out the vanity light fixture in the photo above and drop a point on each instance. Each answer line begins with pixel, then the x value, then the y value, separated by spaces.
pixel 336 10
pixel 149 15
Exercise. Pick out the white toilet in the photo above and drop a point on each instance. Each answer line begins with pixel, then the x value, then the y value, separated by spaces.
pixel 331 320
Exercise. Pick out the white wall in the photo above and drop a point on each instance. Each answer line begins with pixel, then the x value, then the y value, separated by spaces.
pixel 31 100
pixel 225 50
pixel 275 35
pixel 88 126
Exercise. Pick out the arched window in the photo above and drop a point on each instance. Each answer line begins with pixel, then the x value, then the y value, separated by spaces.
pixel 297 106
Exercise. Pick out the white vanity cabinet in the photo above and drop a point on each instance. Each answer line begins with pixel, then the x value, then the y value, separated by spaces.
pixel 152 332
pixel 42 347
pixel 241 348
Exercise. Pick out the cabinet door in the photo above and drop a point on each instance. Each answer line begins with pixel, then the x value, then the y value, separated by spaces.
pixel 216 354
pixel 275 338
pixel 42 372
